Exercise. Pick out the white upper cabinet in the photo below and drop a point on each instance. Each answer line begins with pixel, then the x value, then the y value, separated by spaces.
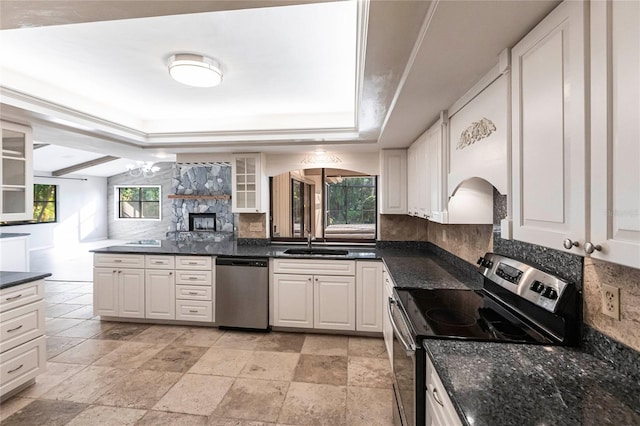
pixel 249 186
pixel 412 187
pixel 548 125
pixel 615 131
pixel 393 182
pixel 16 172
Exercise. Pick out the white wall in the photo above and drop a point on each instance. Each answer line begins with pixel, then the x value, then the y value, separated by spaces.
pixel 82 213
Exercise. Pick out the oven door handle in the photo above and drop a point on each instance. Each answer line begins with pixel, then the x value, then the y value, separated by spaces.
pixel 409 347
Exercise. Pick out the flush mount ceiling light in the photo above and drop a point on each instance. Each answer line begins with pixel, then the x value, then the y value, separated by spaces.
pixel 195 70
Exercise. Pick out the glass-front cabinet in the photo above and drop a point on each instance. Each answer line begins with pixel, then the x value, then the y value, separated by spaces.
pixel 16 172
pixel 248 184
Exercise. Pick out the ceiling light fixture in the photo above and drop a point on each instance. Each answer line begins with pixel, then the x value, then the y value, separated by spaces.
pixel 195 70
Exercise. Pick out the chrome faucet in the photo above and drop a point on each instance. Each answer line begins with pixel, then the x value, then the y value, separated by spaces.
pixel 309 238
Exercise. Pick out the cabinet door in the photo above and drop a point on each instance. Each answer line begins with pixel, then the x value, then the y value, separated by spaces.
pixel 615 131
pixel 160 294
pixel 131 293
pixel 334 304
pixel 293 300
pixel 422 178
pixel 412 202
pixel 247 184
pixel 16 172
pixel 105 291
pixel 436 191
pixel 369 300
pixel 548 124
pixel 393 191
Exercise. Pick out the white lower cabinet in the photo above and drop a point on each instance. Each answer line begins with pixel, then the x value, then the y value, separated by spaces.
pixel 119 292
pixel 293 300
pixel 439 408
pixel 334 302
pixel 160 294
pixel 369 300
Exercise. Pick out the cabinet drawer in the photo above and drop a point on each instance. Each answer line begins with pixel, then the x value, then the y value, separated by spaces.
pixel 21 324
pixel 320 266
pixel 438 398
pixel 118 260
pixel 20 295
pixel 193 292
pixel 194 310
pixel 159 262
pixel 194 277
pixel 194 262
pixel 21 364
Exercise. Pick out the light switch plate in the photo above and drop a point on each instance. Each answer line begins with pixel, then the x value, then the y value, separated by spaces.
pixel 611 301
pixel 255 226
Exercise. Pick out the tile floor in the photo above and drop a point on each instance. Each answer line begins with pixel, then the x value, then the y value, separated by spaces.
pixel 108 373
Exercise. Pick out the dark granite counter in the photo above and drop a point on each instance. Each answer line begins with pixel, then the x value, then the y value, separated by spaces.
pixel 10 279
pixel 509 384
pixel 12 235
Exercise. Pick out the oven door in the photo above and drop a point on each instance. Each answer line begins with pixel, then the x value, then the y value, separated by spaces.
pixel 405 362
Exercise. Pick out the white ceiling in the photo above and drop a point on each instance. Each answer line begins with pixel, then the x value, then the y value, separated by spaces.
pixel 344 75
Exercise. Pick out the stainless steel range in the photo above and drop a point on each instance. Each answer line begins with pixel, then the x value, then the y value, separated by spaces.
pixel 517 304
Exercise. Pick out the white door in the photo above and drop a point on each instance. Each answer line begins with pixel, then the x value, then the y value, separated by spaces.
pixel 293 300
pixel 105 291
pixel 369 301
pixel 334 305
pixel 160 294
pixel 615 131
pixel 131 293
pixel 549 130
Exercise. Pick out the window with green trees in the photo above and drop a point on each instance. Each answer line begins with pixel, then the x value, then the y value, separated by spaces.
pixel 138 202
pixel 45 203
pixel 352 200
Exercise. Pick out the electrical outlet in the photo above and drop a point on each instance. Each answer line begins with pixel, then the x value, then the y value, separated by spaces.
pixel 611 301
pixel 255 226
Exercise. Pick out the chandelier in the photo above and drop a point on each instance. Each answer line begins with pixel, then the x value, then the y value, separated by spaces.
pixel 142 168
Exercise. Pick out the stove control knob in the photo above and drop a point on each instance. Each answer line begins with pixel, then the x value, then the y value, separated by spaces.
pixel 480 261
pixel 550 293
pixel 537 286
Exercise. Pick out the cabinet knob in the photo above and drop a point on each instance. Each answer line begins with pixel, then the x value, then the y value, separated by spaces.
pixel 170 273
pixel 569 244
pixel 590 247
pixel 114 272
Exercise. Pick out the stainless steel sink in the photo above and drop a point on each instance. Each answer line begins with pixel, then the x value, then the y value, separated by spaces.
pixel 317 251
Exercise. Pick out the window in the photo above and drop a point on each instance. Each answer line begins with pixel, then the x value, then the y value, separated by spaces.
pixel 44 203
pixel 138 202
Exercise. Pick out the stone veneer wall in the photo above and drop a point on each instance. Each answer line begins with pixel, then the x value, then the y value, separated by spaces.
pixel 135 229
pixel 201 179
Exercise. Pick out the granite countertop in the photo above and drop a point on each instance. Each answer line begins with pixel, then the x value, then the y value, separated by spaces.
pixel 510 384
pixel 10 279
pixel 12 235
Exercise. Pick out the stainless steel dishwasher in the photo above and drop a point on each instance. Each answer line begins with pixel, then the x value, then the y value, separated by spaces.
pixel 242 293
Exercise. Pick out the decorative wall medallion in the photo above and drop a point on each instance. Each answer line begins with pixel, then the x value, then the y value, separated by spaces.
pixel 321 159
pixel 477 131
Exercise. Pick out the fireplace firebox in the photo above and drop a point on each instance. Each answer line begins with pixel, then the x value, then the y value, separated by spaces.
pixel 202 222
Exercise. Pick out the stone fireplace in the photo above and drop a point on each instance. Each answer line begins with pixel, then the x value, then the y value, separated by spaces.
pixel 202 222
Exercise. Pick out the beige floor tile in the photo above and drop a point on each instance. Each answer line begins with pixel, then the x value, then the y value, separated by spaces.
pixel 222 362
pixel 99 415
pixel 320 344
pixel 314 404
pixel 367 347
pixel 60 309
pixel 84 299
pixel 41 412
pixel 367 406
pixel 214 421
pixel 175 358
pixel 88 329
pixel 239 340
pixel 84 312
pixel 253 400
pixel 53 326
pixel 195 394
pixel 57 345
pixel 60 297
pixel 330 370
pixel 12 405
pixel 130 355
pixel 160 334
pixel 199 336
pixel 369 372
pixel 122 331
pixel 163 418
pixel 270 366
pixel 55 374
pixel 281 342
pixel 138 388
pixel 85 386
pixel 87 352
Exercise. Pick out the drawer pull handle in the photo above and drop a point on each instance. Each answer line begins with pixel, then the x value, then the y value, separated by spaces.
pixel 195 293
pixel 117 260
pixel 193 311
pixel 193 278
pixel 15 329
pixel 193 263
pixel 159 262
pixel 436 397
pixel 14 297
pixel 15 369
